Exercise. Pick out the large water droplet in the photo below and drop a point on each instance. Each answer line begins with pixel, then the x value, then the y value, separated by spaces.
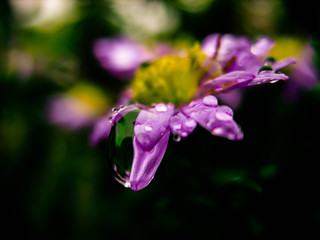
pixel 120 147
pixel 210 101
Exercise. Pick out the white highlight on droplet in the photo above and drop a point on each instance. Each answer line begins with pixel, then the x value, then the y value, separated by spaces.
pixel 161 107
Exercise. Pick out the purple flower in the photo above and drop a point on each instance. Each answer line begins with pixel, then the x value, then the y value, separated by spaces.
pixel 148 126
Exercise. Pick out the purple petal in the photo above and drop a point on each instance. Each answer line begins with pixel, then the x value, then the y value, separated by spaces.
pixel 216 119
pixel 226 82
pixel 262 46
pixel 282 64
pixel 152 124
pixel 267 76
pixel 210 44
pixel 145 163
pixel 181 124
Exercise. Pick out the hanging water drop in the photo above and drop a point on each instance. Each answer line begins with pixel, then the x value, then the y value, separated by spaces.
pixel 176 137
pixel 120 147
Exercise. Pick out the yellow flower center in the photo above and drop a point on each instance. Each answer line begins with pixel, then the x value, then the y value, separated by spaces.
pixel 286 47
pixel 171 79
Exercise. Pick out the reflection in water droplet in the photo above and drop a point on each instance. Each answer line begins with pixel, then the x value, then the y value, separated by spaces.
pixel 115 110
pixel 176 137
pixel 148 128
pixel 120 147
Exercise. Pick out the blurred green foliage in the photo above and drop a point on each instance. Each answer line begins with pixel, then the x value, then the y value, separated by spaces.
pixel 55 185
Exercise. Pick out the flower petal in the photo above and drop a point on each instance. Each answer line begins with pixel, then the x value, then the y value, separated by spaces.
pixel 262 46
pixel 152 124
pixel 146 162
pixel 282 64
pixel 267 76
pixel 225 82
pixel 216 119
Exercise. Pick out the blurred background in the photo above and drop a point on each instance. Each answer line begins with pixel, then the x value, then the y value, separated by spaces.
pixel 55 184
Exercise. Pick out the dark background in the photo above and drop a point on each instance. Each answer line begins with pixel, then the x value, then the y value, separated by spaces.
pixel 55 185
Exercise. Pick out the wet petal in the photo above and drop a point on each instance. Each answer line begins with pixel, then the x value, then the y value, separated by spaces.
pixel 182 125
pixel 226 82
pixel 146 162
pixel 216 119
pixel 267 76
pixel 152 124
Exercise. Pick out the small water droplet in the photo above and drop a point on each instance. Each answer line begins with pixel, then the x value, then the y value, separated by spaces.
pixel 223 116
pixel 161 107
pixel 115 110
pixel 148 128
pixel 210 101
pixel 274 81
pixel 217 131
pixel 176 137
pixel 184 134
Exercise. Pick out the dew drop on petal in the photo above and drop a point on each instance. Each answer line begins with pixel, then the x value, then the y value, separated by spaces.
pixel 217 131
pixel 223 116
pixel 148 128
pixel 161 107
pixel 210 101
pixel 184 134
pixel 115 110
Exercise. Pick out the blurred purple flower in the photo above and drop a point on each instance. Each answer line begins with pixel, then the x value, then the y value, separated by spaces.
pixel 79 107
pixel 303 75
pixel 122 56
